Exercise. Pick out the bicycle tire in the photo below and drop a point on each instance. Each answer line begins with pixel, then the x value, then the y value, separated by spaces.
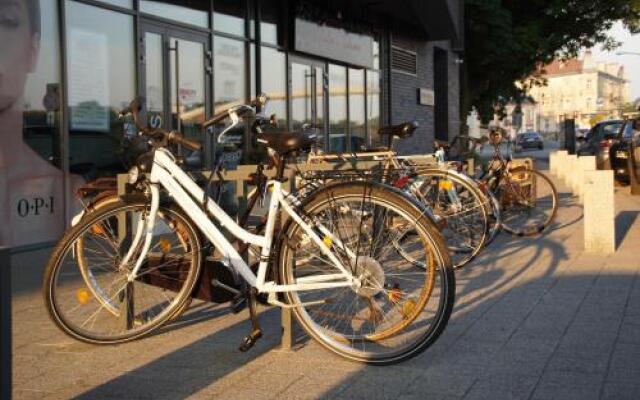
pixel 509 193
pixel 439 270
pixel 469 224
pixel 52 274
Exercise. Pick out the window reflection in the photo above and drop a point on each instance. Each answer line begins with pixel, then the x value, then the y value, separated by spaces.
pixel 337 108
pixel 120 3
pixel 154 76
pixel 194 12
pixel 373 107
pixel 270 20
pixel 229 16
pixel 357 129
pixel 273 80
pixel 229 67
pixel 101 82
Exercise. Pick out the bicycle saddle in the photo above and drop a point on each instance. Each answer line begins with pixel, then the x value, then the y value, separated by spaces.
pixel 287 142
pixel 402 130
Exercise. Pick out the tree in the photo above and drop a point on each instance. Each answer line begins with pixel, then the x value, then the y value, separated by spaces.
pixel 508 41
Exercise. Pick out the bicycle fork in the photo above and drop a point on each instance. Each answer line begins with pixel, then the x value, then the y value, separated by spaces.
pixel 145 227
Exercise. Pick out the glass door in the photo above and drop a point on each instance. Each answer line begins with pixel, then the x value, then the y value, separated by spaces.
pixel 175 80
pixel 307 95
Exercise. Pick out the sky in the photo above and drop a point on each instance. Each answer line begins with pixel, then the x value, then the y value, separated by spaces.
pixel 631 62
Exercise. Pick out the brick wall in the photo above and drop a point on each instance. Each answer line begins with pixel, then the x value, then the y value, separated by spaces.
pixel 404 98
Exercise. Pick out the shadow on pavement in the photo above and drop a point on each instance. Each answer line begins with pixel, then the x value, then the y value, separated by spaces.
pixel 624 222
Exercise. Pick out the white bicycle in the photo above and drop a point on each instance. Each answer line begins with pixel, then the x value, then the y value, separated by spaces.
pixel 336 257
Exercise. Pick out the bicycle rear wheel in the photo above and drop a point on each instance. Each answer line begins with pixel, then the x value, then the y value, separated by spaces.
pixel 529 201
pixel 462 208
pixel 85 286
pixel 401 308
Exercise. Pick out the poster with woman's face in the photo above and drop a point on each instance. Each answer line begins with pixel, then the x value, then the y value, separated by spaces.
pixel 31 182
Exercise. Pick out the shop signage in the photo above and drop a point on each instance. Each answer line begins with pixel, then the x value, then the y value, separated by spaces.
pixel 333 43
pixel 426 97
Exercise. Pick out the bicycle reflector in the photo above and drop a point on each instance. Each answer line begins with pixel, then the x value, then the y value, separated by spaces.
pixel 327 241
pixel 165 245
pixel 445 184
pixel 408 307
pixel 401 182
pixel 82 296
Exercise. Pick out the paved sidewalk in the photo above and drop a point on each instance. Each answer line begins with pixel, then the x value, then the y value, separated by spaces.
pixel 535 318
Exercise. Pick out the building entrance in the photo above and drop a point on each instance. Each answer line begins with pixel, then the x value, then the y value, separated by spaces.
pixel 175 72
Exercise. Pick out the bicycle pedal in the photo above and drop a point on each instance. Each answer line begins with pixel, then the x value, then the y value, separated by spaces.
pixel 249 341
pixel 238 304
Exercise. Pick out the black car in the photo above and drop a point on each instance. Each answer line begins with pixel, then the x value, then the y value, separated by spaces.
pixel 598 141
pixel 529 140
pixel 619 151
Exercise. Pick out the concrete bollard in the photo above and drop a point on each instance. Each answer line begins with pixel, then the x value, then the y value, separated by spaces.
pixel 570 174
pixel 560 163
pixel 599 212
pixel 552 162
pixel 585 163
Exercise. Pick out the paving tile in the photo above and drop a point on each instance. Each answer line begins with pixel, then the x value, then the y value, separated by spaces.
pixel 568 386
pixel 621 391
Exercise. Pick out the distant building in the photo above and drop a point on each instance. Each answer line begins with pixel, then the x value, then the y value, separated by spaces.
pixel 582 89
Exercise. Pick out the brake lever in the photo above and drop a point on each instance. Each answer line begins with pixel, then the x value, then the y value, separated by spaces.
pixel 235 120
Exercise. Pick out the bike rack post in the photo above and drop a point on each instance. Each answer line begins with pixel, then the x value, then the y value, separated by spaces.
pixel 5 324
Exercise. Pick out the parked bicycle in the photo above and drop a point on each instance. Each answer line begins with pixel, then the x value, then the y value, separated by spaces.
pixel 128 267
pixel 455 200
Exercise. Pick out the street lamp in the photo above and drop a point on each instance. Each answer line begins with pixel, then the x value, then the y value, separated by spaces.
pixel 631 53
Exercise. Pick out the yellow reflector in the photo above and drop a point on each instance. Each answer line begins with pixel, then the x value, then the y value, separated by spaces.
pixel 165 245
pixel 83 296
pixel 446 185
pixel 408 307
pixel 97 229
pixel 395 295
pixel 327 241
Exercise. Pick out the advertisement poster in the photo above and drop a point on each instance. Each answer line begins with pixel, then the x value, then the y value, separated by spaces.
pixel 89 89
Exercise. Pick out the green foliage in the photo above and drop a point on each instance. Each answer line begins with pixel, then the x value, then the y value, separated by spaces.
pixel 508 40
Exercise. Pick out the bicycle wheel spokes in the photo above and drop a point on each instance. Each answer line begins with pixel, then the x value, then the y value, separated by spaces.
pixel 398 302
pixel 90 291
pixel 462 210
pixel 529 202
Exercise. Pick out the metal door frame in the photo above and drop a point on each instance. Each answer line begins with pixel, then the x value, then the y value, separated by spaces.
pixel 167 31
pixel 325 98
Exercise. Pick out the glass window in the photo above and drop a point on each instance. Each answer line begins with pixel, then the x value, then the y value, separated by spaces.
pixel 337 108
pixel 229 16
pixel 119 3
pixel 357 128
pixel 273 80
pixel 154 75
pixel 270 20
pixel 373 107
pixel 229 73
pixel 376 54
pixel 101 82
pixel 31 198
pixel 192 12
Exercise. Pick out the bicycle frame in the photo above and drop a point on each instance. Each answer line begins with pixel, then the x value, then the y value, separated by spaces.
pixel 167 174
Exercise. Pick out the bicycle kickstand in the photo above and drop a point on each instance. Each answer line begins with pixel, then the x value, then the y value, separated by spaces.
pixel 256 331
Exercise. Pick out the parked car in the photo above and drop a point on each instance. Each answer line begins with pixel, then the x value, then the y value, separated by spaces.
pixel 529 140
pixel 619 150
pixel 599 140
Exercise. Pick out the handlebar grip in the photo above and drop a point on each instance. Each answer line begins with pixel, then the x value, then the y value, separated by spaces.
pixel 177 138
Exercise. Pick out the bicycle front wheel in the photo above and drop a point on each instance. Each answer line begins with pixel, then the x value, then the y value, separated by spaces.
pixel 402 307
pixel 86 287
pixel 528 200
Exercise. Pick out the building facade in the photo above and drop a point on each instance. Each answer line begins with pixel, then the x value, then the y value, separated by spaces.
pixel 344 67
pixel 582 89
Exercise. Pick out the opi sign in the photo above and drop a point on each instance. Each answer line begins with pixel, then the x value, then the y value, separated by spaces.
pixel 334 43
